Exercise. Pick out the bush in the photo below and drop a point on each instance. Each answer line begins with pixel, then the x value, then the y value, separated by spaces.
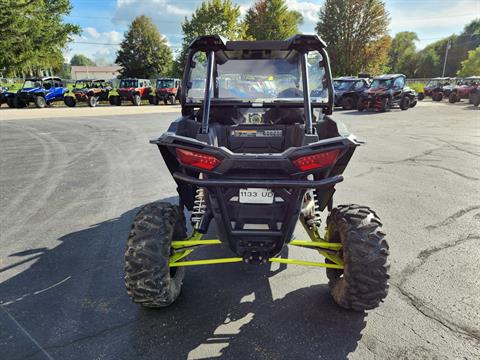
pixel 418 87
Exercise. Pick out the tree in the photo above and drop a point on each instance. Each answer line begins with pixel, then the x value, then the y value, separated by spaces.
pixel 471 65
pixel 356 32
pixel 271 20
pixel 81 60
pixel 35 35
pixel 402 54
pixel 212 17
pixel 144 52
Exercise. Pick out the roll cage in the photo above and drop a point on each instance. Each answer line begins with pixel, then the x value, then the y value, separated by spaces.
pixel 217 48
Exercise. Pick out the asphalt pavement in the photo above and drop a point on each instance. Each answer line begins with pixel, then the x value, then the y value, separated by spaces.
pixel 70 186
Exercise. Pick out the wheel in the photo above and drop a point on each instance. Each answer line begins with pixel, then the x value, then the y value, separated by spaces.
pixel 148 278
pixel 405 103
pixel 92 101
pixel 413 103
pixel 386 105
pixel 165 101
pixel 348 103
pixel 155 100
pixel 112 99
pixel 470 98
pixel 438 97
pixel 421 96
pixel 476 99
pixel 19 103
pixel 452 98
pixel 171 100
pixel 363 283
pixel 40 101
pixel 136 100
pixel 360 105
pixel 11 102
pixel 69 101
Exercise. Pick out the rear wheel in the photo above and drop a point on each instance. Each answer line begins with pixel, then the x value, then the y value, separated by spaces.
pixel 19 103
pixel 452 98
pixel 405 103
pixel 112 99
pixel 476 99
pixel 470 98
pixel 360 105
pixel 413 103
pixel 348 103
pixel 148 278
pixel 153 100
pixel 136 100
pixel 363 283
pixel 92 101
pixel 40 101
pixel 69 101
pixel 421 96
pixel 11 102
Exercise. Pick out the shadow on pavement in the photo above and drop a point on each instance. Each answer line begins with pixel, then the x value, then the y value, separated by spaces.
pixel 71 302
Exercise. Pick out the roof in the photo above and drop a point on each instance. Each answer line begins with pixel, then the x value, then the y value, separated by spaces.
pixel 388 76
pixel 167 78
pixel 442 78
pixel 93 69
pixel 472 77
pixel 348 78
pixel 44 78
pixel 91 80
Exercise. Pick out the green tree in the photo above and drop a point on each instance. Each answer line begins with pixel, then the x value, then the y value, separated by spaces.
pixel 402 54
pixel 271 20
pixel 34 35
pixel 144 52
pixel 471 65
pixel 81 60
pixel 211 17
pixel 356 32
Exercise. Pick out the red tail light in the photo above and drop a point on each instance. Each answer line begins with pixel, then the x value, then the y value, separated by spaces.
pixel 316 161
pixel 197 159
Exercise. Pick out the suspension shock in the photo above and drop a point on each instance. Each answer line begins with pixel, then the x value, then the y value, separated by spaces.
pixel 199 207
pixel 315 219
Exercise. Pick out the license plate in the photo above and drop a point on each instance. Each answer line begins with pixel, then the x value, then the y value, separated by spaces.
pixel 256 196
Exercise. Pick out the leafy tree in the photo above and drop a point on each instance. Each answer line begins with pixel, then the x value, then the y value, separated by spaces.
pixel 144 52
pixel 64 71
pixel 402 54
pixel 81 60
pixel 212 17
pixel 35 35
pixel 271 20
pixel 356 32
pixel 471 65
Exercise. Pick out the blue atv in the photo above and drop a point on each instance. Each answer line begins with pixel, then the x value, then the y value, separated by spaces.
pixel 6 97
pixel 40 91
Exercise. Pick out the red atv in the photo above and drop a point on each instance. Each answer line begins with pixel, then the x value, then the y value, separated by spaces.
pixel 134 90
pixel 465 91
pixel 168 90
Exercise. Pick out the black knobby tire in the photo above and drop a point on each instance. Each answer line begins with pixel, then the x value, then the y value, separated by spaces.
pixel 148 278
pixel 112 99
pixel 69 101
pixel 348 103
pixel 452 98
pixel 360 105
pixel 421 96
pixel 470 98
pixel 136 100
pixel 40 101
pixel 11 102
pixel 363 283
pixel 92 101
pixel 151 100
pixel 413 103
pixel 405 103
pixel 476 99
pixel 386 105
pixel 19 103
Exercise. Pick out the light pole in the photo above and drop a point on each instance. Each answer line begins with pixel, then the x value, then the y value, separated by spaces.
pixel 449 45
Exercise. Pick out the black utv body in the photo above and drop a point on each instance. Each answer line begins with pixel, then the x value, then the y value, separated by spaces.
pixel 255 152
pixel 388 91
pixel 348 89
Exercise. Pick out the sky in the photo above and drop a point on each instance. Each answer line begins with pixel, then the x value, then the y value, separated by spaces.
pixel 104 22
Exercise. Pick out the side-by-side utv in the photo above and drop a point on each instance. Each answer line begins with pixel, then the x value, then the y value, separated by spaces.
pixel 256 162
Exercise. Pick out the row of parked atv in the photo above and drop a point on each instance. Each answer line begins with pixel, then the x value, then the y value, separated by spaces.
pixel 453 89
pixel 381 93
pixel 44 91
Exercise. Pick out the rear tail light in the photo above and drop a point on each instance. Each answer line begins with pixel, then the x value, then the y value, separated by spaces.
pixel 197 159
pixel 316 161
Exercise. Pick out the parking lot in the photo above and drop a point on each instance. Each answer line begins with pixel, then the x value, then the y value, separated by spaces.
pixel 71 182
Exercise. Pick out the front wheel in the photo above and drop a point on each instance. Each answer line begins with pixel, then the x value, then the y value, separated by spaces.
pixel 405 103
pixel 148 277
pixel 137 100
pixel 69 101
pixel 40 101
pixel 386 105
pixel 363 283
pixel 360 105
pixel 92 101
pixel 476 99
pixel 452 98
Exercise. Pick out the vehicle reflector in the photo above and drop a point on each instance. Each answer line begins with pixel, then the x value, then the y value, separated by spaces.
pixel 197 159
pixel 316 161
